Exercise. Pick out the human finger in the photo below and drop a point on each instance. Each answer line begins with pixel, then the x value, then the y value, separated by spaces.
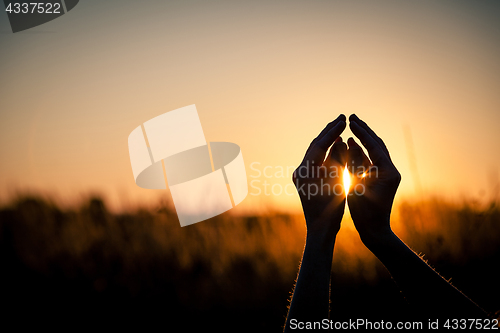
pixel 338 154
pixel 325 130
pixel 376 152
pixel 372 133
pixel 317 152
pixel 357 161
pixel 356 157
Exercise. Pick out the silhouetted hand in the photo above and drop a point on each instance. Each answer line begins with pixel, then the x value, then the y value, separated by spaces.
pixel 319 183
pixel 373 183
pixel 319 180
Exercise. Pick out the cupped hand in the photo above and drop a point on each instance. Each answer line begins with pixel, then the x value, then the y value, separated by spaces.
pixel 374 182
pixel 319 181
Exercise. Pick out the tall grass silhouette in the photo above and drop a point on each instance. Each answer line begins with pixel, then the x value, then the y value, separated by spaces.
pixel 227 272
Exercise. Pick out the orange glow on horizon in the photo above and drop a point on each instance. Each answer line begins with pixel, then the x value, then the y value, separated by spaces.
pixel 264 78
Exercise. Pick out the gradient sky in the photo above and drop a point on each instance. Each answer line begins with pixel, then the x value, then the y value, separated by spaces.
pixel 265 75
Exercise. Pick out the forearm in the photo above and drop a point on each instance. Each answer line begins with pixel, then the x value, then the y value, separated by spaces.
pixel 311 297
pixel 423 287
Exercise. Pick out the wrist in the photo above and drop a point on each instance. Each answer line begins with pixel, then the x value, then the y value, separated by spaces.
pixel 321 239
pixel 317 226
pixel 318 251
pixel 379 240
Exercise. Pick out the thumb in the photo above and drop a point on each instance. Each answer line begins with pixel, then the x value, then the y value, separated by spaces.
pixel 338 154
pixel 357 161
pixel 357 164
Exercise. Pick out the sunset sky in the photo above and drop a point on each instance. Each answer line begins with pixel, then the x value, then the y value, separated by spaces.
pixel 267 75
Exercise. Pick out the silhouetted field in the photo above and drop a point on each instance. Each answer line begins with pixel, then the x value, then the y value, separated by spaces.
pixel 87 264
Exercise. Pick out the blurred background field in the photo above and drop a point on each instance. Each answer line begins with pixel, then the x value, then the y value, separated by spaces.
pixel 87 263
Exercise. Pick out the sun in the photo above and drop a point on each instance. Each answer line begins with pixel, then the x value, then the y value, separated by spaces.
pixel 347 180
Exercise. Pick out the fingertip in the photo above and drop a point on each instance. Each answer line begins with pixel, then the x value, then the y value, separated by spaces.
pixel 342 147
pixel 338 128
pixel 352 144
pixel 341 125
pixel 339 140
pixel 353 117
pixel 339 143
pixel 338 152
pixel 341 117
pixel 353 123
